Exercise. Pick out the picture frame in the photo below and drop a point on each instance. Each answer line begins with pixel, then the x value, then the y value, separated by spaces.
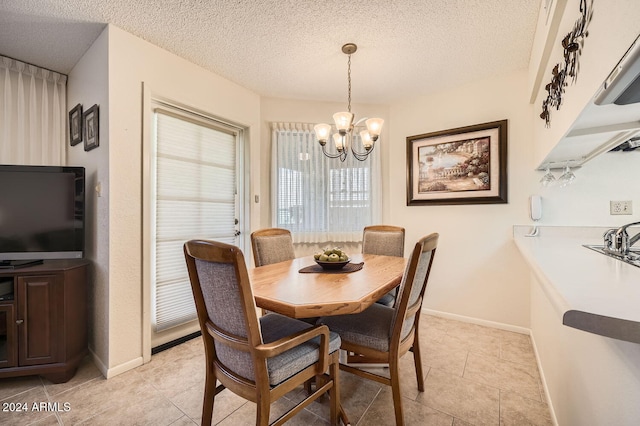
pixel 91 127
pixel 75 125
pixel 466 165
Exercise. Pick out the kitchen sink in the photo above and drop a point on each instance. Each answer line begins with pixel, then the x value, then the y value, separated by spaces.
pixel 633 258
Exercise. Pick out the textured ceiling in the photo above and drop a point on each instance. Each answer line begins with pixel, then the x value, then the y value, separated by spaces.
pixel 292 48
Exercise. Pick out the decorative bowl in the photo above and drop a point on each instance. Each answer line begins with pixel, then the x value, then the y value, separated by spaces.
pixel 333 265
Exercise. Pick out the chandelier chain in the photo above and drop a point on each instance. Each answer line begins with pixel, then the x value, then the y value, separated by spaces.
pixel 349 79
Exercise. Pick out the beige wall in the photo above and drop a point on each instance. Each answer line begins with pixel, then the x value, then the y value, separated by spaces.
pixel 118 340
pixel 478 272
pixel 88 85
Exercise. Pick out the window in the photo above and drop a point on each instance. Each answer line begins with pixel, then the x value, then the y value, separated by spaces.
pixel 195 163
pixel 321 199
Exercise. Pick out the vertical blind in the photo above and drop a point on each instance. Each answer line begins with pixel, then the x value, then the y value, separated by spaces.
pixel 318 198
pixel 195 187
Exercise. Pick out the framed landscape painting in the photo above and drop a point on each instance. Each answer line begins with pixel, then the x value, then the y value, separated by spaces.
pixel 467 165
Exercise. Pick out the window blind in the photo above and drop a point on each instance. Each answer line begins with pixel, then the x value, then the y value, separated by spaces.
pixel 321 199
pixel 195 187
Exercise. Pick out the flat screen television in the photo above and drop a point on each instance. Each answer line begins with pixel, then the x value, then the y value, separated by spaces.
pixel 42 214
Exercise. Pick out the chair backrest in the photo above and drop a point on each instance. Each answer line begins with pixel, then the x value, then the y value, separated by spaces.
pixel 386 240
pixel 412 288
pixel 225 306
pixel 271 245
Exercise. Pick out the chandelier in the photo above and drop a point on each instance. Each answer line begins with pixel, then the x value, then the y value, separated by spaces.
pixel 343 138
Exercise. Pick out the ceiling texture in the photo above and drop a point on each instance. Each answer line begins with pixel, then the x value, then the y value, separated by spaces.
pixel 292 48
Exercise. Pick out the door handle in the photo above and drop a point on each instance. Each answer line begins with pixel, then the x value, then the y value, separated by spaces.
pixel 19 322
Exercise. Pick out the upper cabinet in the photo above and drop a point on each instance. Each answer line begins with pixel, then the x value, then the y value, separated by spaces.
pixel 578 129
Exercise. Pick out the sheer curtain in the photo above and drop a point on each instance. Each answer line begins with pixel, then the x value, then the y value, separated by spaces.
pixel 317 198
pixel 32 114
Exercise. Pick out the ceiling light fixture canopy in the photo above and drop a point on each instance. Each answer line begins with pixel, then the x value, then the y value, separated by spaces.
pixel 343 137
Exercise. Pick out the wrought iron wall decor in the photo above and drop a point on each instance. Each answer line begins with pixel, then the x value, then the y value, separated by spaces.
pixel 573 44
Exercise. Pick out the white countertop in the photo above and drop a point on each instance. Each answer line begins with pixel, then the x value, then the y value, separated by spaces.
pixel 591 291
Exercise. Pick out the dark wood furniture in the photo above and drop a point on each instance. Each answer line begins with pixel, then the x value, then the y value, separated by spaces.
pixel 43 320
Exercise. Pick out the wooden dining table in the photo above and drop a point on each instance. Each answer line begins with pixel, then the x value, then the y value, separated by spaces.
pixel 281 288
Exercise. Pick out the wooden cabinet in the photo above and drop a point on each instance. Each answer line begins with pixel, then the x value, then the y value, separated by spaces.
pixel 43 323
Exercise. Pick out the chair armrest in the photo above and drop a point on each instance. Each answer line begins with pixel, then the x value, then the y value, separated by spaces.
pixel 269 350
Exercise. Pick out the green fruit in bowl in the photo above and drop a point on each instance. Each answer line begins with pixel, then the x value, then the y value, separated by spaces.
pixel 333 257
pixel 323 258
pixel 343 258
pixel 317 255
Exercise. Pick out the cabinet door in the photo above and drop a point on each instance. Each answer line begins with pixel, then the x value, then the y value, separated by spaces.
pixel 40 304
pixel 8 345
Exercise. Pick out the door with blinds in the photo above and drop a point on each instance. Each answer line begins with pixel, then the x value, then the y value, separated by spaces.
pixel 195 191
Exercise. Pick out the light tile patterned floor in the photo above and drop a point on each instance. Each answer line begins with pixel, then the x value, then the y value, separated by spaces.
pixel 474 376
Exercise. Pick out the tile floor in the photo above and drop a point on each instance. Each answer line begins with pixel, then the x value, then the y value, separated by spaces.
pixel 474 376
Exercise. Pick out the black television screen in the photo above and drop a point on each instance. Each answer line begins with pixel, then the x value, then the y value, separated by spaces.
pixel 41 213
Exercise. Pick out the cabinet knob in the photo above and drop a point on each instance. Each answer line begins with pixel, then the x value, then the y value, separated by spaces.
pixel 19 322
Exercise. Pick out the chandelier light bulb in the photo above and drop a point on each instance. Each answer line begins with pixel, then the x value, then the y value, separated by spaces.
pixel 343 121
pixel 367 140
pixel 338 140
pixel 374 126
pixel 322 133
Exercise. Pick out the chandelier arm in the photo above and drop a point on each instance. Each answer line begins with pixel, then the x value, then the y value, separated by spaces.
pixel 360 121
pixel 324 151
pixel 360 157
pixel 364 154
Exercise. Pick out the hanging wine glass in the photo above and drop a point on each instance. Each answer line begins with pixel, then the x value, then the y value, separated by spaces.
pixel 567 177
pixel 548 179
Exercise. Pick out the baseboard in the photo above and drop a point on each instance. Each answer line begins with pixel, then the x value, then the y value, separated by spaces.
pixel 544 382
pixel 486 323
pixel 123 368
pixel 98 362
pixel 108 373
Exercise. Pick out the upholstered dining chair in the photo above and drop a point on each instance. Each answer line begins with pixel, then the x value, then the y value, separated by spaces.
pixel 381 334
pixel 386 240
pixel 258 359
pixel 271 245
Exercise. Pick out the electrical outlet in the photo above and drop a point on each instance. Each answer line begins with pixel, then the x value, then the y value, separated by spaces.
pixel 620 207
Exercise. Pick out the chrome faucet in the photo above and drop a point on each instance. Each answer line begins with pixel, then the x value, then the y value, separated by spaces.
pixel 618 242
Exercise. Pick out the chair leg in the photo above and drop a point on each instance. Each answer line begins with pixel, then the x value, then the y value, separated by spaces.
pixel 263 411
pixel 417 360
pixel 209 396
pixel 394 374
pixel 334 392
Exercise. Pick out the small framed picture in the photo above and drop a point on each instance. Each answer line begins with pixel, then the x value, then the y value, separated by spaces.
pixel 91 123
pixel 75 125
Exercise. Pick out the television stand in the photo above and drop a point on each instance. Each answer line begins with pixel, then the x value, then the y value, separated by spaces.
pixel 15 264
pixel 43 320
